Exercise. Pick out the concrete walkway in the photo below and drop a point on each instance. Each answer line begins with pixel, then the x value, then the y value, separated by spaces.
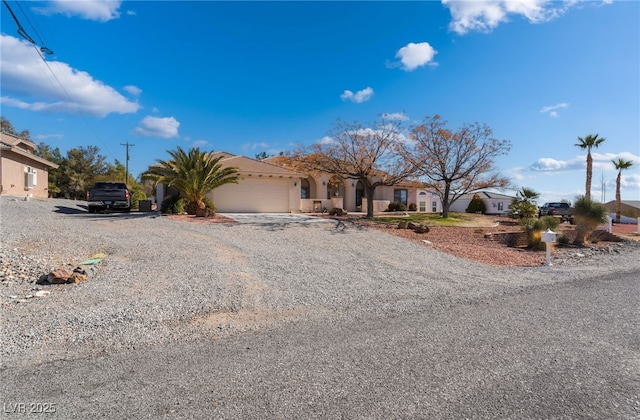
pixel 274 218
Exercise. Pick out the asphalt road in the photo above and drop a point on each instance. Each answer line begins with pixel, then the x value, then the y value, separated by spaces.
pixel 566 350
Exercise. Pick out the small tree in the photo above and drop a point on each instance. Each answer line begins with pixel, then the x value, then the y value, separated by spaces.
pixel 194 174
pixel 588 143
pixel 353 151
pixel 476 205
pixel 588 216
pixel 620 165
pixel 455 163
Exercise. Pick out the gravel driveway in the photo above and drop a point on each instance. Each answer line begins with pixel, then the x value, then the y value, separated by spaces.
pixel 164 279
pixel 164 282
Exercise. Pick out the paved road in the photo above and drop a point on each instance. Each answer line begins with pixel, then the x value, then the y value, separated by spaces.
pixel 567 350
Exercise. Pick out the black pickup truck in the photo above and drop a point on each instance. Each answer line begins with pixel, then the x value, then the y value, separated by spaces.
pixel 109 195
pixel 562 210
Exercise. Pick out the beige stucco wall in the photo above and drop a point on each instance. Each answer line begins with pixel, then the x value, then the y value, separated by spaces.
pixel 12 176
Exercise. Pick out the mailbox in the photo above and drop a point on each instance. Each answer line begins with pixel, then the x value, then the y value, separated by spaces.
pixel 548 236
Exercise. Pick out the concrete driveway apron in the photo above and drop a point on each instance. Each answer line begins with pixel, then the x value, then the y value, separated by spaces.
pixel 275 218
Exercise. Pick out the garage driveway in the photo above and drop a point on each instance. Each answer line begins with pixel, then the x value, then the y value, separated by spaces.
pixel 274 218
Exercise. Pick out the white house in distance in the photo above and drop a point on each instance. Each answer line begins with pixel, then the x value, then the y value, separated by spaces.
pixel 497 204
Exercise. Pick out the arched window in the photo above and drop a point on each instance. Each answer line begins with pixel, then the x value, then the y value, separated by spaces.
pixel 305 189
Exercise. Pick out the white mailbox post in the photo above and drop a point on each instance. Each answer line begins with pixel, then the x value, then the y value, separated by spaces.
pixel 548 237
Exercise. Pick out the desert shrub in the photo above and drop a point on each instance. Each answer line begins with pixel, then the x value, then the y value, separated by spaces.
pixel 589 214
pixel 563 239
pixel 173 205
pixel 396 206
pixel 476 205
pixel 534 227
pixel 413 207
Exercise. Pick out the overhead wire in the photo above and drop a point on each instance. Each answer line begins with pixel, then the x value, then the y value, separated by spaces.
pixel 45 50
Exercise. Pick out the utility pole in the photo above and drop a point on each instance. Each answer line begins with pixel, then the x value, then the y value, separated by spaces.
pixel 126 174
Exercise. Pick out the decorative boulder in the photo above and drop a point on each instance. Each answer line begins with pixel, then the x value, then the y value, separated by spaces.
pixel 403 224
pixel 422 229
pixel 205 212
pixel 413 226
pixel 78 276
pixel 336 211
pixel 58 276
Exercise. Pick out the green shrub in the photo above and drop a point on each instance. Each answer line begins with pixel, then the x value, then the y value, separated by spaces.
pixel 476 205
pixel 173 205
pixel 534 227
pixel 396 206
pixel 413 207
pixel 136 196
pixel 589 214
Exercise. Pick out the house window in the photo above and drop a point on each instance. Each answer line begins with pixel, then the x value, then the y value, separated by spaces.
pixel 305 190
pixel 500 206
pixel 30 177
pixel 422 205
pixel 434 206
pixel 400 196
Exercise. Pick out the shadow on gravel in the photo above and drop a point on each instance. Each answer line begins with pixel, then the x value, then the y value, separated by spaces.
pixel 71 210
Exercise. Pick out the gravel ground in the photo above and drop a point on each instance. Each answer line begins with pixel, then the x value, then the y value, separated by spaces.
pixel 165 279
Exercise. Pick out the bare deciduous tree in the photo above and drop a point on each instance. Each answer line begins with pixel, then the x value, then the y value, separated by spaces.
pixel 454 163
pixel 369 154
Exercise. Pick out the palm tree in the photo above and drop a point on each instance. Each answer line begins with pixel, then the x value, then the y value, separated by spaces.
pixel 524 205
pixel 587 143
pixel 620 164
pixel 194 174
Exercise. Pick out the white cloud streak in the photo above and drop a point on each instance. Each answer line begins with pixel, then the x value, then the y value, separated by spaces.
pixel 414 55
pixel 98 10
pixel 396 116
pixel 164 128
pixel 553 109
pixel 486 15
pixel 28 83
pixel 358 97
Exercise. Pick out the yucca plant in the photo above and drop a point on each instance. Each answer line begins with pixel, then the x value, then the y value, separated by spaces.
pixel 589 214
pixel 193 173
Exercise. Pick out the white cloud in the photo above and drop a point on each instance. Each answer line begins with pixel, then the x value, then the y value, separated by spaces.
pixel 158 127
pixel 199 143
pixel 396 116
pixel 554 165
pixel 413 55
pixel 553 109
pixel 99 10
pixel 327 140
pixel 42 137
pixel 486 15
pixel 134 90
pixel 27 83
pixel 358 97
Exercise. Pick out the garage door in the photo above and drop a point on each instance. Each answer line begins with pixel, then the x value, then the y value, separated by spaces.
pixel 253 196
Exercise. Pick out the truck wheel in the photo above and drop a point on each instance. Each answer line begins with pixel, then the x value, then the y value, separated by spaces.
pixel 91 209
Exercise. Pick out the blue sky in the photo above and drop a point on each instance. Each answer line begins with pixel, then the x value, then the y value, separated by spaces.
pixel 247 77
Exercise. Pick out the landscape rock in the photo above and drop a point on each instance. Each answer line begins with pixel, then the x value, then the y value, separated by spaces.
pixel 336 211
pixel 58 276
pixel 79 275
pixel 403 224
pixel 422 229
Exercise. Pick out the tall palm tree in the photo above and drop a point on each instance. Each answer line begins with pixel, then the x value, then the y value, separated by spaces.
pixel 620 164
pixel 194 174
pixel 588 143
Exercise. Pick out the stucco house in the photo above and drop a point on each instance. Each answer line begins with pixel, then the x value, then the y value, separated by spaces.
pixel 22 173
pixel 267 186
pixel 324 191
pixel 497 204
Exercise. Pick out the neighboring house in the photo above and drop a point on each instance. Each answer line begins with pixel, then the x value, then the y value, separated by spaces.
pixel 629 208
pixel 496 203
pixel 22 173
pixel 323 192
